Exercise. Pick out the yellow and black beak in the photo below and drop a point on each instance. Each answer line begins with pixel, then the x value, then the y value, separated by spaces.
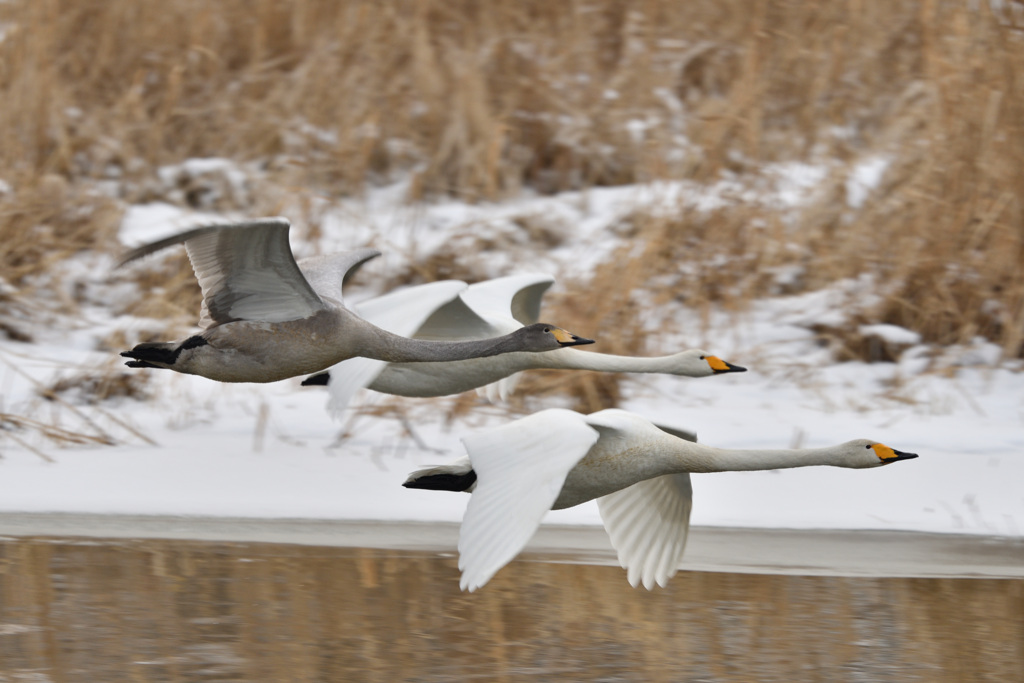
pixel 568 338
pixel 720 366
pixel 888 455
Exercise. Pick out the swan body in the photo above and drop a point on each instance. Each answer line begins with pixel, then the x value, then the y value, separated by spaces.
pixel 638 472
pixel 486 309
pixel 265 317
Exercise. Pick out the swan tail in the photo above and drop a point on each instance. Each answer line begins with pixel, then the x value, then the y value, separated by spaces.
pixel 160 354
pixel 458 476
pixel 319 380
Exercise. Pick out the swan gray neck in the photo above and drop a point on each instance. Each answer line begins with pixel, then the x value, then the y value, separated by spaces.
pixel 397 349
pixel 698 458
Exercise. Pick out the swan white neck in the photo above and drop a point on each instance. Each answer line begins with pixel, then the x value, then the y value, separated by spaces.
pixel 698 458
pixel 574 359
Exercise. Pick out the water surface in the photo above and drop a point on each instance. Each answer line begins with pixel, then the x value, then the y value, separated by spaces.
pixel 172 610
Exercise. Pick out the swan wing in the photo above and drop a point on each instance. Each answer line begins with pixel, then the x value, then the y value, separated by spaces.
pixel 246 271
pixel 498 392
pixel 457 321
pixel 518 296
pixel 327 274
pixel 677 432
pixel 404 311
pixel 488 309
pixel 648 523
pixel 520 467
pixel 400 312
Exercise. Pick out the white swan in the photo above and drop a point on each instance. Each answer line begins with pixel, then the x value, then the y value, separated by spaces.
pixel 485 309
pixel 266 317
pixel 638 472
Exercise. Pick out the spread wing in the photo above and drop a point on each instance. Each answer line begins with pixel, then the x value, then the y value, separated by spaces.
pixel 400 312
pixel 457 321
pixel 489 308
pixel 327 274
pixel 498 392
pixel 648 523
pixel 520 467
pixel 246 271
pixel 678 432
pixel 518 296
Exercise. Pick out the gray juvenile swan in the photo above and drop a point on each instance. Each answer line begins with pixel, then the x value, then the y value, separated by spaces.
pixel 638 472
pixel 484 309
pixel 265 317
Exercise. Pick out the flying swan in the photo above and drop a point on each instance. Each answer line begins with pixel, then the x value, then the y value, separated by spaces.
pixel 639 474
pixel 265 317
pixel 486 309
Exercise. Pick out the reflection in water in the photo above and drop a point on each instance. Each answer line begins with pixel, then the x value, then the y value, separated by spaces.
pixel 158 610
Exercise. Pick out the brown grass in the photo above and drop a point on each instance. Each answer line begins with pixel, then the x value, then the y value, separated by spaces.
pixel 480 100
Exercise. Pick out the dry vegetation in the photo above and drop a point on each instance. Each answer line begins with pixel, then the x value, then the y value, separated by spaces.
pixel 480 100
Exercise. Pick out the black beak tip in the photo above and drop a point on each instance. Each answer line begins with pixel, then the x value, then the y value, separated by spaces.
pixel 729 367
pixel 581 341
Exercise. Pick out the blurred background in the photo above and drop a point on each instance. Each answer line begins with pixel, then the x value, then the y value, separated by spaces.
pixel 827 193
pixel 897 125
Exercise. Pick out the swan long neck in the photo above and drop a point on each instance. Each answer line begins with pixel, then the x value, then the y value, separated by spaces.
pixel 397 349
pixel 698 458
pixel 574 359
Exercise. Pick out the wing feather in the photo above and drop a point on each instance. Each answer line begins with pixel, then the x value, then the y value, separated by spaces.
pixel 327 274
pixel 518 296
pixel 678 432
pixel 520 467
pixel 456 321
pixel 400 312
pixel 498 392
pixel 246 271
pixel 648 523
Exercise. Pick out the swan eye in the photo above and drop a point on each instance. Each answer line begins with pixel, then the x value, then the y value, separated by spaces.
pixel 868 446
pixel 703 357
pixel 547 329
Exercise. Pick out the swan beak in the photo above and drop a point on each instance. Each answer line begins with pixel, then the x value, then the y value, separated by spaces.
pixel 568 338
pixel 888 455
pixel 720 366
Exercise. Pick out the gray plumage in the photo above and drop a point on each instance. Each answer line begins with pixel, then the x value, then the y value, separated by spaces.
pixel 266 317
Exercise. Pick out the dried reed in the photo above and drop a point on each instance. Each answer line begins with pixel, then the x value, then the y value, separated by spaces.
pixel 481 99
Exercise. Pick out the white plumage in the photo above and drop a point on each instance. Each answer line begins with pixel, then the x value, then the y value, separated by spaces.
pixel 485 309
pixel 638 472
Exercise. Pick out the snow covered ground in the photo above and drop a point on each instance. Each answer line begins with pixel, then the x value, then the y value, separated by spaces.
pixel 210 449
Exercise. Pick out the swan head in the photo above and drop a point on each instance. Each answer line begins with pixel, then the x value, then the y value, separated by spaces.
pixel 545 337
pixel 864 453
pixel 698 363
